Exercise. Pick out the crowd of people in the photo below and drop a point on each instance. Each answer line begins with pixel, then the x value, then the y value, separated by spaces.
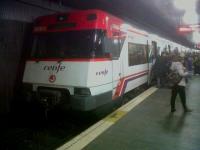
pixel 161 67
pixel 185 65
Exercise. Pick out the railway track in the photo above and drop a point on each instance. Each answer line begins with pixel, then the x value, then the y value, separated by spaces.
pixel 32 132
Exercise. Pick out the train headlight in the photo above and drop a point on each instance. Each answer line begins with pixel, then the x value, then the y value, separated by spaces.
pixel 82 91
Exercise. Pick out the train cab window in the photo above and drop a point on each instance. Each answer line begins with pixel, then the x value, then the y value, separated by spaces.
pixel 115 48
pixel 69 44
pixel 114 44
pixel 136 54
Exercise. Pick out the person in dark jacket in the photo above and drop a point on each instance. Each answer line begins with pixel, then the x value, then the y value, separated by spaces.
pixel 161 69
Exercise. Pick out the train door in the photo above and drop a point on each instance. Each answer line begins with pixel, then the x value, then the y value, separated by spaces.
pixel 117 70
pixel 152 55
pixel 154 49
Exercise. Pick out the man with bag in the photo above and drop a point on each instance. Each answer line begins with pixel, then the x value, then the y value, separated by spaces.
pixel 179 88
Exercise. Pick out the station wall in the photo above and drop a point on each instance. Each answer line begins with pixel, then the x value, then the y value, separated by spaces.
pixel 16 18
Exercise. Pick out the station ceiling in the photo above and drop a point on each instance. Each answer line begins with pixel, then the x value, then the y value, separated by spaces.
pixel 157 16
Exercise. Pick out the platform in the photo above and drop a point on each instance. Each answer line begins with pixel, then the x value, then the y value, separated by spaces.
pixel 146 123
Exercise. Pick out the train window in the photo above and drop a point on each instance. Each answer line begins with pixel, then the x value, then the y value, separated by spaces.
pixel 115 48
pixel 114 44
pixel 69 44
pixel 136 54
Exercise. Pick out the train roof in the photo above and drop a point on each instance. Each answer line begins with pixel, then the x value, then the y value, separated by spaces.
pixel 77 20
pixel 84 19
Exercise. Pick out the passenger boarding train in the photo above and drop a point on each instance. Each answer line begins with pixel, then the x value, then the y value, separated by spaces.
pixel 88 58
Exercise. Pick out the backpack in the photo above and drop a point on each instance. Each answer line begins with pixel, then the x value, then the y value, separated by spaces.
pixel 173 78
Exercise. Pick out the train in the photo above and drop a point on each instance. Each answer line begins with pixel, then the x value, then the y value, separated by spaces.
pixel 84 59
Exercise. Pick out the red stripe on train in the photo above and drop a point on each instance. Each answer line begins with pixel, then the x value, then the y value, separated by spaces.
pixel 122 81
pixel 71 59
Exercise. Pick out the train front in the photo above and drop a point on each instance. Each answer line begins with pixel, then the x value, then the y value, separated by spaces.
pixel 69 66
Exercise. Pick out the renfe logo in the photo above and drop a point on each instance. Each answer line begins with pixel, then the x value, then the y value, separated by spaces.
pixel 103 72
pixel 52 78
pixel 54 68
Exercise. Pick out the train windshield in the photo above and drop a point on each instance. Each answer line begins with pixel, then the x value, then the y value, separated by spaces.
pixel 70 44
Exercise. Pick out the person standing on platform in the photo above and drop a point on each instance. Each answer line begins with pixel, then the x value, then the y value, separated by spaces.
pixel 190 64
pixel 160 69
pixel 177 66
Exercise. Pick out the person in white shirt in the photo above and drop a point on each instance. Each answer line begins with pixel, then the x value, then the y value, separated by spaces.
pixel 177 65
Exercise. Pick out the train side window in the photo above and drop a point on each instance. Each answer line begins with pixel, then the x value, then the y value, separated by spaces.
pixel 136 54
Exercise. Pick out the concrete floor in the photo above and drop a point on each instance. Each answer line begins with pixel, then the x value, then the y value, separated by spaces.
pixel 151 126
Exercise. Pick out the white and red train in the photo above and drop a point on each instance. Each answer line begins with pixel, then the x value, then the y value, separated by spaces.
pixel 88 58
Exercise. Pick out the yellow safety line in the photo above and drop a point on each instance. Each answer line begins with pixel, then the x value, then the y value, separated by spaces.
pixel 87 136
pixel 114 117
